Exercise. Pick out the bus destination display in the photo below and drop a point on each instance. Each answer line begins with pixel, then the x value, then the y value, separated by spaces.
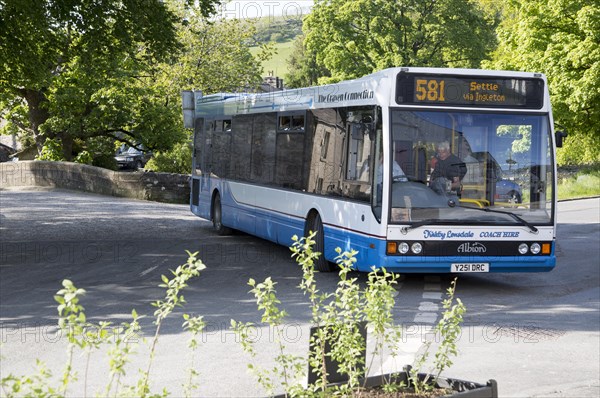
pixel 465 91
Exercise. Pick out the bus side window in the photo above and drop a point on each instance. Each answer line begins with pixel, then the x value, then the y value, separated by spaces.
pixel 198 145
pixel 359 153
pixel 358 156
pixel 291 122
pixel 325 145
pixel 263 152
pixel 221 150
pixel 241 147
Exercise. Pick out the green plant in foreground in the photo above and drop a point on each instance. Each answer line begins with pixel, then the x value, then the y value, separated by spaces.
pixel 195 325
pixel 338 315
pixel 449 329
pixel 289 366
pixel 173 298
pixel 83 335
pixel 72 322
pixel 120 351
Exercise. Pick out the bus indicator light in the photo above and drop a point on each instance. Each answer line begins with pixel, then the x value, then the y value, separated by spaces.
pixel 546 248
pixel 392 247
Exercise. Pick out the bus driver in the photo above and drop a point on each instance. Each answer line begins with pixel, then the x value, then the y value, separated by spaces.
pixel 448 170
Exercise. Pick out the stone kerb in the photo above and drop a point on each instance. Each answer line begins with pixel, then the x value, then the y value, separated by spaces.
pixel 162 187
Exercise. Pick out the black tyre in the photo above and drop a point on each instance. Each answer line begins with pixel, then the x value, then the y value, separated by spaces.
pixel 316 225
pixel 217 217
pixel 514 197
pixel 138 165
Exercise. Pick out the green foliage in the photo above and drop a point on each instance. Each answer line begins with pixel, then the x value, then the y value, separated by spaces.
pixel 66 59
pixel 35 385
pixel 449 330
pixel 81 70
pixel 173 298
pixel 276 29
pixel 84 157
pixel 560 39
pixel 352 38
pixel 195 325
pixel 121 340
pixel 214 57
pixel 583 184
pixel 339 313
pixel 303 70
pixel 72 322
pixel 338 316
pixel 120 352
pixel 51 150
pixel 177 160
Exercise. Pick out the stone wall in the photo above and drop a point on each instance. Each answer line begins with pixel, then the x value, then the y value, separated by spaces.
pixel 160 187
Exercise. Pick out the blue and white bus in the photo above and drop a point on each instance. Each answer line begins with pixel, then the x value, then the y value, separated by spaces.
pixel 361 163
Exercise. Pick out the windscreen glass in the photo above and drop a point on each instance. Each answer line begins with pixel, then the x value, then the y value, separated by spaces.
pixel 468 167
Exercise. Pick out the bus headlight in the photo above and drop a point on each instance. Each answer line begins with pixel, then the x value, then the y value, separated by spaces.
pixel 403 248
pixel 523 248
pixel 416 248
pixel 535 248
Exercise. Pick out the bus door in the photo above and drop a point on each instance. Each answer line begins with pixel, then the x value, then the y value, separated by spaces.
pixel 197 161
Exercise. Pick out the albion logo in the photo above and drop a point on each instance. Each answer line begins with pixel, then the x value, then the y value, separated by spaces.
pixel 472 248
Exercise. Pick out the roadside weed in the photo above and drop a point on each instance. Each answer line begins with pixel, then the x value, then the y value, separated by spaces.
pixel 122 342
pixel 337 319
pixel 449 330
pixel 340 321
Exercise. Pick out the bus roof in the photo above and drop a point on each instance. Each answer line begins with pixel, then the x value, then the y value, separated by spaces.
pixel 373 89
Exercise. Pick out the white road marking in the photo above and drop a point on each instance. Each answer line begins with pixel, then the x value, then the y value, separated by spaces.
pixel 146 272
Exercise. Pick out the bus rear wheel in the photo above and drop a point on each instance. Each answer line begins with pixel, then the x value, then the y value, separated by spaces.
pixel 217 214
pixel 315 224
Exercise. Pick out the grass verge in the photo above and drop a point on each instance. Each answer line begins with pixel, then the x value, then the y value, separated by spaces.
pixel 581 182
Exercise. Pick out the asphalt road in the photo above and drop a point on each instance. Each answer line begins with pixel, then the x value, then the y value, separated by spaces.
pixel 536 334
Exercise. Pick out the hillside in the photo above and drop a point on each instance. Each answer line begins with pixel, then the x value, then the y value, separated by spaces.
pixel 281 32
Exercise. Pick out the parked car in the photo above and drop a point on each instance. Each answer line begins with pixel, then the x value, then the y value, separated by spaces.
pixel 508 191
pixel 132 158
pixel 6 153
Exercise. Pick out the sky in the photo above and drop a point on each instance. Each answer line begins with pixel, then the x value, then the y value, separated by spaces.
pixel 268 8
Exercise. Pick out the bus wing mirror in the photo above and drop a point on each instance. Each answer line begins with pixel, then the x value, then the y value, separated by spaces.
pixel 558 137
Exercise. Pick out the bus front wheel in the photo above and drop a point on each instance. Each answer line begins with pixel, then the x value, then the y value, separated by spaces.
pixel 217 214
pixel 315 224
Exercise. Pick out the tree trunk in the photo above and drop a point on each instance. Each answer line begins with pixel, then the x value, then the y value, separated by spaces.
pixel 67 146
pixel 38 114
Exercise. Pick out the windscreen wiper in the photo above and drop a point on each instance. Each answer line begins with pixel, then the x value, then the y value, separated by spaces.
pixel 518 218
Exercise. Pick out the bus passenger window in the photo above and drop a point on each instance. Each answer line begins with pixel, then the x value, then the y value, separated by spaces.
pixel 285 123
pixel 298 123
pixel 291 123
pixel 359 151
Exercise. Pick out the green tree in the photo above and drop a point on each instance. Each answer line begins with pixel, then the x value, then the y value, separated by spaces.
pixel 352 38
pixel 561 39
pixel 303 70
pixel 215 57
pixel 79 69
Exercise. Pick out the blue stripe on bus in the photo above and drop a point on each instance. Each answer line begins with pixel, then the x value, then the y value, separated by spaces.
pixel 280 227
